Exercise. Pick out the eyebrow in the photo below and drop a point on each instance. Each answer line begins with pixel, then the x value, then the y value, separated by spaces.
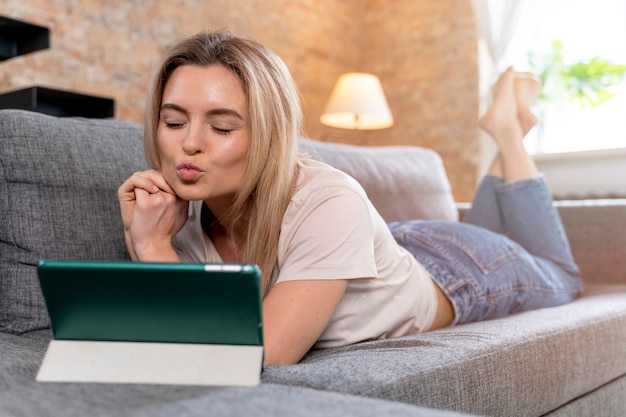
pixel 212 112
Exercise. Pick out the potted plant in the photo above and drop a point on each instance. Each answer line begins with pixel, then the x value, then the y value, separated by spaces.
pixel 587 84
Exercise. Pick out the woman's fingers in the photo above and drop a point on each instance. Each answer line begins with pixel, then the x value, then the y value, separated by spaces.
pixel 150 181
pixel 152 214
pixel 156 179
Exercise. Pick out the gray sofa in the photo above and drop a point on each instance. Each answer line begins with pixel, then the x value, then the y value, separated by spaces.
pixel 58 182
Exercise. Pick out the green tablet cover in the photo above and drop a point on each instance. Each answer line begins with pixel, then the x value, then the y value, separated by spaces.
pixel 153 302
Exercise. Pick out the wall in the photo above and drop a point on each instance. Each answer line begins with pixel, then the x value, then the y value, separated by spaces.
pixel 424 52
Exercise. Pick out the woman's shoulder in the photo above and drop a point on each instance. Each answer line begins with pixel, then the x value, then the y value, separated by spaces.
pixel 319 183
pixel 315 174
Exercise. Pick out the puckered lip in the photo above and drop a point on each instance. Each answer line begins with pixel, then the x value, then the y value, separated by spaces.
pixel 188 166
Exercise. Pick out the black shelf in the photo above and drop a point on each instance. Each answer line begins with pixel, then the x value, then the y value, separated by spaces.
pixel 58 103
pixel 19 38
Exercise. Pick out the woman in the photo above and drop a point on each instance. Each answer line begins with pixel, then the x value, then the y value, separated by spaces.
pixel 228 185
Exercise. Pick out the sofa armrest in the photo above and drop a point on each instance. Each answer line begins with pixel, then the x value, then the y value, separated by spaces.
pixel 597 233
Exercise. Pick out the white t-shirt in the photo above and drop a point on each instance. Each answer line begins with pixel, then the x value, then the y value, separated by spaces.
pixel 332 231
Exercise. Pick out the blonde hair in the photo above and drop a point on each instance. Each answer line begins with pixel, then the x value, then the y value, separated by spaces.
pixel 274 125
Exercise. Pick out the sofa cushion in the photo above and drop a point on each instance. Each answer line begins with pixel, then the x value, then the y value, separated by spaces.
pixel 21 395
pixel 595 232
pixel 58 182
pixel 526 364
pixel 403 182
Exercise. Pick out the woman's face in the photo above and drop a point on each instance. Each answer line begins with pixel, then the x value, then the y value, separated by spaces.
pixel 202 135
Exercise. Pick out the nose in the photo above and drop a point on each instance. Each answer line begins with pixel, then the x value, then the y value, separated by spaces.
pixel 194 140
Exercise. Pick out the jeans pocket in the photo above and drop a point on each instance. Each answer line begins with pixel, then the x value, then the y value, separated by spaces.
pixel 462 243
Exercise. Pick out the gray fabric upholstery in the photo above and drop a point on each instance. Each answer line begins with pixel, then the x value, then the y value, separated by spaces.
pixel 21 396
pixel 596 230
pixel 530 363
pixel 607 401
pixel 58 182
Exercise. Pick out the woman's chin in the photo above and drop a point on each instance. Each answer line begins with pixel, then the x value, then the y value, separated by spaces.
pixel 184 193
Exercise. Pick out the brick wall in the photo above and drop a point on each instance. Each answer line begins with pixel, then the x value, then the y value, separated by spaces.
pixel 424 52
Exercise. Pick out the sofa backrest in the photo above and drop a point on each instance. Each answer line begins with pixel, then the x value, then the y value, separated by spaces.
pixel 58 195
pixel 403 182
pixel 58 199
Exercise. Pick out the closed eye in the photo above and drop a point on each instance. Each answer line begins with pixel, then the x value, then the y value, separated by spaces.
pixel 222 131
pixel 174 125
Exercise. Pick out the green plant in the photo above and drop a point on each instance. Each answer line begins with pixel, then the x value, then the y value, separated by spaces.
pixel 588 83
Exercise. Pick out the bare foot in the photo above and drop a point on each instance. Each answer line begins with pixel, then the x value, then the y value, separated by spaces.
pixel 501 119
pixel 527 89
pixel 503 122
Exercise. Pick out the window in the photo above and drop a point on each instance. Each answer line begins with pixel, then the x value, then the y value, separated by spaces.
pixel 586 30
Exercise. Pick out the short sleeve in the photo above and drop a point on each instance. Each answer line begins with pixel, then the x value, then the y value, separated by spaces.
pixel 328 234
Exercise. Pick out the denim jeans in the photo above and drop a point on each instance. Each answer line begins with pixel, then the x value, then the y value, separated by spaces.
pixel 509 254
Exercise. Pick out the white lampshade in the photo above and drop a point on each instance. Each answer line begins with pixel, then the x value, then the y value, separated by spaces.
pixel 357 102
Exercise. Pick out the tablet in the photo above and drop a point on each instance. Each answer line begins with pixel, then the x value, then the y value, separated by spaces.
pixel 166 310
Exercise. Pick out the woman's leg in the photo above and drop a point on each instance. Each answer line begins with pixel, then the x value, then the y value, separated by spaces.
pixel 530 219
pixel 485 211
pixel 525 207
pixel 507 122
pixel 484 274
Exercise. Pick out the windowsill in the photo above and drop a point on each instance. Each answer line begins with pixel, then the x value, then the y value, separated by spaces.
pixel 579 155
pixel 585 174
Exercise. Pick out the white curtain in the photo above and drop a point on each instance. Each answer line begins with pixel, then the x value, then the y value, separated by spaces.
pixel 496 21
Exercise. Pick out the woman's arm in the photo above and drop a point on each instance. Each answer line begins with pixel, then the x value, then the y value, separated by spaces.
pixel 152 214
pixel 295 313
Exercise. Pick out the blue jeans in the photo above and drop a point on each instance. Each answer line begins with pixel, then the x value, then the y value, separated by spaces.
pixel 510 254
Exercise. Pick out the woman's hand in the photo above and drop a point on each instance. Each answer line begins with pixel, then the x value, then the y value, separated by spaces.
pixel 152 214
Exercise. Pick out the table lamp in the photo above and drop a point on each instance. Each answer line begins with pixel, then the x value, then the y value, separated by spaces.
pixel 357 102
